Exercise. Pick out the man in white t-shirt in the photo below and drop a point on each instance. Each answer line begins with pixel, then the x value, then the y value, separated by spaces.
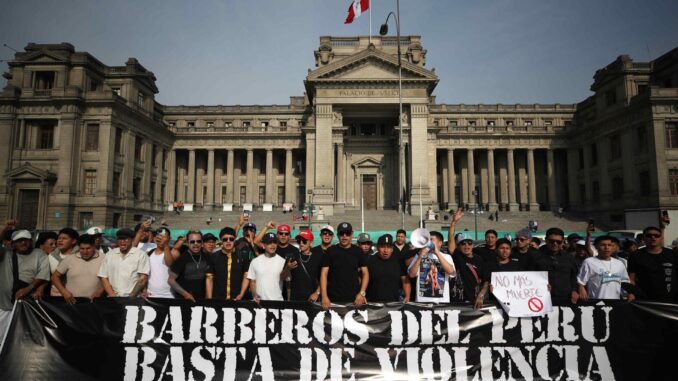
pixel 125 269
pixel 432 270
pixel 267 272
pixel 601 277
pixel 160 260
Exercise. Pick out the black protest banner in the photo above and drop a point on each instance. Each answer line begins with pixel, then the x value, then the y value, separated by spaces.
pixel 136 339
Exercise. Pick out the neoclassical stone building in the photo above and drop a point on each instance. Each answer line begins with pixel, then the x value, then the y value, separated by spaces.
pixel 84 143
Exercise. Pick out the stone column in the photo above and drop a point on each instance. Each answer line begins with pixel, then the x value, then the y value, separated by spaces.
pixel 106 159
pixel 289 179
pixel 210 180
pixel 190 196
pixel 157 196
pixel 551 176
pixel 171 176
pixel 451 180
pixel 513 205
pixel 250 176
pixel 532 183
pixel 323 189
pixel 572 178
pixel 230 178
pixel 269 176
pixel 490 169
pixel 341 173
pixel 471 178
pixel 419 152
pixel 218 174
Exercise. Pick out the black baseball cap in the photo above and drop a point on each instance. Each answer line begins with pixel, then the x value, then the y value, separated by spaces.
pixel 344 227
pixel 385 239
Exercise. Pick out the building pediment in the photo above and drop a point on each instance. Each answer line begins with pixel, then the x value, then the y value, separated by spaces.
pixel 43 57
pixel 28 172
pixel 370 65
pixel 368 162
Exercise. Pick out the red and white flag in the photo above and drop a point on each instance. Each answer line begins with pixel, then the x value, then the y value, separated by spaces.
pixel 356 8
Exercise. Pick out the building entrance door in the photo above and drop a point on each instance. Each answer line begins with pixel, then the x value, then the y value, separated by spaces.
pixel 29 200
pixel 370 192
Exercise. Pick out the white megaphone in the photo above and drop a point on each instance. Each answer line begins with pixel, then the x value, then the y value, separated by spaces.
pixel 422 238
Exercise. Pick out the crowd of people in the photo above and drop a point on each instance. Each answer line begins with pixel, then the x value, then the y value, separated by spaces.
pixel 244 263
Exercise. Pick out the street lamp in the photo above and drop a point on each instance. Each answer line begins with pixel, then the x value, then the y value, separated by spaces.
pixel 383 30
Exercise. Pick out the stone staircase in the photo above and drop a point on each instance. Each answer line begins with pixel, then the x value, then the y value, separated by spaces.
pixel 381 220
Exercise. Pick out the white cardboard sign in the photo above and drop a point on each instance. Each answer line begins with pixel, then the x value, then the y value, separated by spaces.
pixel 522 293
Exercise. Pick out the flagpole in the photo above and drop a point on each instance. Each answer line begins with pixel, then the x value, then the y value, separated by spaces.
pixel 369 6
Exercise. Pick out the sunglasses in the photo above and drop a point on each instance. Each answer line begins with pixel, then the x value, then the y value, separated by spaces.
pixel 193 242
pixel 466 243
pixel 228 239
pixel 653 235
pixel 344 234
pixel 521 239
pixel 283 234
pixel 301 240
pixel 554 241
pixel 326 232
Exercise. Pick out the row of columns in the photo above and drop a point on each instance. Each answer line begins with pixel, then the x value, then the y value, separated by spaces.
pixel 511 174
pixel 191 178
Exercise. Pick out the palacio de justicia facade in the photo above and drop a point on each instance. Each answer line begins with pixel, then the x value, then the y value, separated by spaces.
pixel 84 143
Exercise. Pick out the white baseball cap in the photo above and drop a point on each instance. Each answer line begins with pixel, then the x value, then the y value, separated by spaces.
pixel 21 234
pixel 94 230
pixel 327 227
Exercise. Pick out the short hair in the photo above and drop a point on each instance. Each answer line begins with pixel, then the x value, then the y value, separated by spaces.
pixel 491 231
pixel 194 232
pixel 44 236
pixel 605 238
pixel 401 231
pixel 69 232
pixel 87 239
pixel 227 230
pixel 536 240
pixel 438 235
pixel 650 228
pixel 503 241
pixel 555 231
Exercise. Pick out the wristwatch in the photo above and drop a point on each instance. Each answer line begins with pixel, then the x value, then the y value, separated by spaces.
pixel 362 293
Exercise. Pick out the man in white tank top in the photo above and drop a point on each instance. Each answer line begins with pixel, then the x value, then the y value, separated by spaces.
pixel 161 259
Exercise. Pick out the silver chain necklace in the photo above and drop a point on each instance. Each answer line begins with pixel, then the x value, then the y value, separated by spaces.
pixel 197 264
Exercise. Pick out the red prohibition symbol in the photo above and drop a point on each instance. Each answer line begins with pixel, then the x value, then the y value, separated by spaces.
pixel 535 305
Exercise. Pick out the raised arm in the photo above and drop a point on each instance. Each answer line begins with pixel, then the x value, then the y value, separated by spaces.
pixel 451 244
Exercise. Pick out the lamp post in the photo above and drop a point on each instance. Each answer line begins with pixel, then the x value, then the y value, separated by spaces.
pixel 475 214
pixel 383 30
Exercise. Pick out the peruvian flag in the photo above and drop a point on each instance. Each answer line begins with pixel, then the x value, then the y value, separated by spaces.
pixel 356 8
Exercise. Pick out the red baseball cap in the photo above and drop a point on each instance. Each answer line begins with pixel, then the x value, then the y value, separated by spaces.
pixel 284 228
pixel 305 234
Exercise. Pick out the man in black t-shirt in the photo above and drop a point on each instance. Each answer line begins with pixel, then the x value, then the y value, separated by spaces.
pixel 523 252
pixel 326 236
pixel 560 265
pixel 365 243
pixel 488 251
pixel 230 267
pixel 469 268
pixel 191 275
pixel 653 269
pixel 388 274
pixel 503 263
pixel 305 270
pixel 339 281
pixel 245 244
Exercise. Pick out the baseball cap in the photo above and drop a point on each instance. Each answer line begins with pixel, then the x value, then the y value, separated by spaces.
pixel 94 230
pixel 284 228
pixel 327 227
pixel 364 238
pixel 162 231
pixel 461 237
pixel 209 237
pixel 344 227
pixel 573 236
pixel 21 234
pixel 581 242
pixel 125 233
pixel 250 226
pixel 385 239
pixel 269 238
pixel 524 233
pixel 305 234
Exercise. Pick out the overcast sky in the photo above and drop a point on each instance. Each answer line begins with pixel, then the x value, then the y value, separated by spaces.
pixel 258 51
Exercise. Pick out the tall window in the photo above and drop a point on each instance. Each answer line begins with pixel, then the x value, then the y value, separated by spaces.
pixel 152 191
pixel 136 188
pixel 45 137
pixel 672 135
pixel 610 98
pixel 596 191
pixel 118 141
pixel 90 182
pixel 281 195
pixel 673 181
pixel 617 188
pixel 116 183
pixel 141 99
pixel 644 179
pixel 44 80
pixel 615 147
pixel 641 139
pixel 137 148
pixel 582 193
pixel 243 193
pixel 594 154
pixel 262 195
pixel 581 158
pixel 92 137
